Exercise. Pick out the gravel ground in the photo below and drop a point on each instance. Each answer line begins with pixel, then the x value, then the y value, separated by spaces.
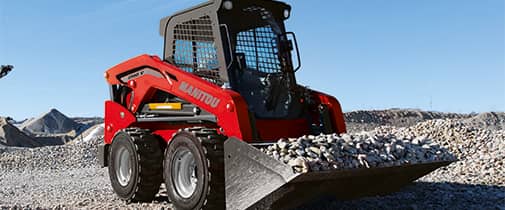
pixel 425 195
pixel 59 177
pixel 68 176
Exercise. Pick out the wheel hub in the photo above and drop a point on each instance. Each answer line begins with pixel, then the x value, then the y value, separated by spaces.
pixel 123 166
pixel 184 173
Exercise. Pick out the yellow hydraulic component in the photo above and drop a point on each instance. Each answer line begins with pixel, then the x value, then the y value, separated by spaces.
pixel 165 106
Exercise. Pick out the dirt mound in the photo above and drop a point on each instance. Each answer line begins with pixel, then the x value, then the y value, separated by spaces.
pixel 487 120
pixel 90 134
pixel 86 123
pixel 50 123
pixel 370 119
pixel 12 136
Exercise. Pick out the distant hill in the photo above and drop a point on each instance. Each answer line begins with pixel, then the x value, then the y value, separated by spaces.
pixel 51 128
pixel 364 120
pixel 10 135
pixel 52 122
pixel 86 123
pixel 369 119
pixel 90 135
pixel 487 120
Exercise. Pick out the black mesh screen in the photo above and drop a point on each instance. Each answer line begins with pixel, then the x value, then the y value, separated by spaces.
pixel 260 48
pixel 195 50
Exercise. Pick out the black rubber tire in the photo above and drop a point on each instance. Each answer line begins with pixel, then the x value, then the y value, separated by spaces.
pixel 206 147
pixel 146 162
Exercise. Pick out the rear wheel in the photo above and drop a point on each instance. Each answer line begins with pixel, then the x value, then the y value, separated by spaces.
pixel 194 169
pixel 135 165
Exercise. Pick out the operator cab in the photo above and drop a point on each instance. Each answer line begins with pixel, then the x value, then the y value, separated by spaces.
pixel 242 45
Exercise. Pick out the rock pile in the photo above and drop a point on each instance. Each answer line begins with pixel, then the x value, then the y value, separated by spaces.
pixel 367 120
pixel 481 151
pixel 487 120
pixel 62 157
pixel 361 150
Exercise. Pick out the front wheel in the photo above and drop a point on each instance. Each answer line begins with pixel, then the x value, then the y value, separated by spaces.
pixel 194 170
pixel 135 165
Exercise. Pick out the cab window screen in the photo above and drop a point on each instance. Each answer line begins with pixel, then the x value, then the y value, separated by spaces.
pixel 195 49
pixel 260 48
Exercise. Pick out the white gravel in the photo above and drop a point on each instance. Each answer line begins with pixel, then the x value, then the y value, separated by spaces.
pixel 362 150
pixel 59 177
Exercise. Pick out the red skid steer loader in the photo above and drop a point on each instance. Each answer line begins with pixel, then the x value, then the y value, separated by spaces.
pixel 225 87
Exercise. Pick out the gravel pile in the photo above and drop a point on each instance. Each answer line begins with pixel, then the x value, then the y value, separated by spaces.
pixel 49 158
pixel 362 150
pixel 481 152
pixel 487 120
pixel 367 120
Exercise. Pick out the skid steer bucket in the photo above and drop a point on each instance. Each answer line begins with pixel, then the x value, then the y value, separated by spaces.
pixel 254 180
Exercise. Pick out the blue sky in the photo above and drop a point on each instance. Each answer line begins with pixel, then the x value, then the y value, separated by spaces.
pixel 443 55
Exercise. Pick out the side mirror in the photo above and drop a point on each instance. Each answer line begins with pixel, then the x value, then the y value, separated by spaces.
pixel 286 45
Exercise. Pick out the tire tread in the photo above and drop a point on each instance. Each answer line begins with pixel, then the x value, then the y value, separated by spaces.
pixel 150 159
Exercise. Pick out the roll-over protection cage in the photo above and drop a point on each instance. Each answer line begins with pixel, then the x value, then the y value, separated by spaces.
pixel 197 39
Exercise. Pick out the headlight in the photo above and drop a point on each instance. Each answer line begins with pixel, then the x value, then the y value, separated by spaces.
pixel 228 5
pixel 286 13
